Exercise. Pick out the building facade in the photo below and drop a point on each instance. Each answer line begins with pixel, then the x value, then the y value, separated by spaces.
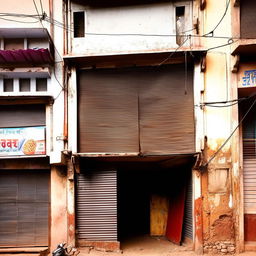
pixel 32 90
pixel 125 119
pixel 135 77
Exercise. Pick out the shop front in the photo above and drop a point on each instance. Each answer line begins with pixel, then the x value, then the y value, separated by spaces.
pixel 24 177
pixel 136 147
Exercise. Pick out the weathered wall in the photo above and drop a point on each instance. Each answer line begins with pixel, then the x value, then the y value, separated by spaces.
pixel 135 21
pixel 27 7
pixel 58 214
pixel 218 219
pixel 217 190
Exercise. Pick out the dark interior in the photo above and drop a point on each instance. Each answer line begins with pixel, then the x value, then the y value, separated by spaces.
pixel 136 184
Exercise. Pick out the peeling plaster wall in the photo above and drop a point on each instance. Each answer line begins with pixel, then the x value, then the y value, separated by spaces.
pixel 219 221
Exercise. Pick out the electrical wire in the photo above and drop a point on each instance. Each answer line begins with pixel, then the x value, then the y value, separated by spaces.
pixel 42 9
pixel 230 41
pixel 233 102
pixel 61 25
pixel 36 9
pixel 18 21
pixel 229 137
pixel 162 62
pixel 223 16
pixel 230 105
pixel 63 87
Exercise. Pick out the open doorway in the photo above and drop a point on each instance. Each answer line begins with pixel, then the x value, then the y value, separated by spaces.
pixel 153 204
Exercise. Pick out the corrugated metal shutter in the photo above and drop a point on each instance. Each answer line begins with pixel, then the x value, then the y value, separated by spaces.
pixel 22 115
pixel 97 205
pixel 188 217
pixel 248 18
pixel 108 112
pixel 124 110
pixel 166 112
pixel 24 206
pixel 249 162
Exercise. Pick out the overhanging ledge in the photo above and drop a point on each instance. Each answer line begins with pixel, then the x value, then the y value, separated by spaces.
pixel 244 48
pixel 11 100
pixel 139 59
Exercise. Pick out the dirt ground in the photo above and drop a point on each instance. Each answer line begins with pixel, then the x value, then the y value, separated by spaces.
pixel 149 246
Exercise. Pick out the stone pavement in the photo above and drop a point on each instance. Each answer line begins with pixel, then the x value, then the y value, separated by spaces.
pixel 150 246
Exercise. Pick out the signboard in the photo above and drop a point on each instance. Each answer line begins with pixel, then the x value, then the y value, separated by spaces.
pixel 22 141
pixel 247 76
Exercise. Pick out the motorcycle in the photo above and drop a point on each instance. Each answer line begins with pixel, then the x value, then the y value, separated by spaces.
pixel 63 250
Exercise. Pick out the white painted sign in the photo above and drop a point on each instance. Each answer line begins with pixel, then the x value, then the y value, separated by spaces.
pixel 22 141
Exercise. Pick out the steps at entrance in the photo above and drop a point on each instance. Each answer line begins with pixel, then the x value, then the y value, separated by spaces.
pixel 20 254
pixel 30 251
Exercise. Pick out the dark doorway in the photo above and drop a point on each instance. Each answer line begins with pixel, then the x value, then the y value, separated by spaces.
pixel 145 190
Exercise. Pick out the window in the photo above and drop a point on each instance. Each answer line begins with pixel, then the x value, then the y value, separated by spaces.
pixel 78 24
pixel 41 84
pixel 13 43
pixel 180 24
pixel 8 85
pixel 24 85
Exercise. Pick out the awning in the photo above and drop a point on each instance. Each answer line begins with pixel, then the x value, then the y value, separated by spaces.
pixel 25 57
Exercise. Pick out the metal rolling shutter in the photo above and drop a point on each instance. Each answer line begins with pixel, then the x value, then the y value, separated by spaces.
pixel 249 162
pixel 188 217
pixel 22 115
pixel 166 111
pixel 97 205
pixel 24 206
pixel 124 110
pixel 248 18
pixel 108 112
pixel 249 167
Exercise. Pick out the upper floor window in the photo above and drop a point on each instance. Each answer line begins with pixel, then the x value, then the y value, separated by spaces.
pixel 78 24
pixel 24 85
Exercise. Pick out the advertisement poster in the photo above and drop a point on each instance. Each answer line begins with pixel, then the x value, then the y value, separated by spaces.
pixel 22 141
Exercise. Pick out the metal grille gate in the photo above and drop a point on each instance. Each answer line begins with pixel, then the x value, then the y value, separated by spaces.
pixel 96 205
pixel 249 163
pixel 188 217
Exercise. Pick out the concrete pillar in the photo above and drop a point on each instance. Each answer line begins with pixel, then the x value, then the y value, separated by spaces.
pixel 58 188
pixel 198 219
pixel 71 202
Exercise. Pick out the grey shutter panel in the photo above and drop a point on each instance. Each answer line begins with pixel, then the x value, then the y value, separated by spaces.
pixel 247 18
pixel 97 205
pixel 166 112
pixel 124 110
pixel 249 161
pixel 108 112
pixel 24 206
pixel 22 115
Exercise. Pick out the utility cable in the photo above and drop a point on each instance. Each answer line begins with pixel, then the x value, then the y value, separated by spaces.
pixel 18 21
pixel 161 63
pixel 63 87
pixel 42 9
pixel 232 102
pixel 211 33
pixel 229 137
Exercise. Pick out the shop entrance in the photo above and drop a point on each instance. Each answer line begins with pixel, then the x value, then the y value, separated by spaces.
pixel 247 108
pixel 152 203
pixel 134 199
